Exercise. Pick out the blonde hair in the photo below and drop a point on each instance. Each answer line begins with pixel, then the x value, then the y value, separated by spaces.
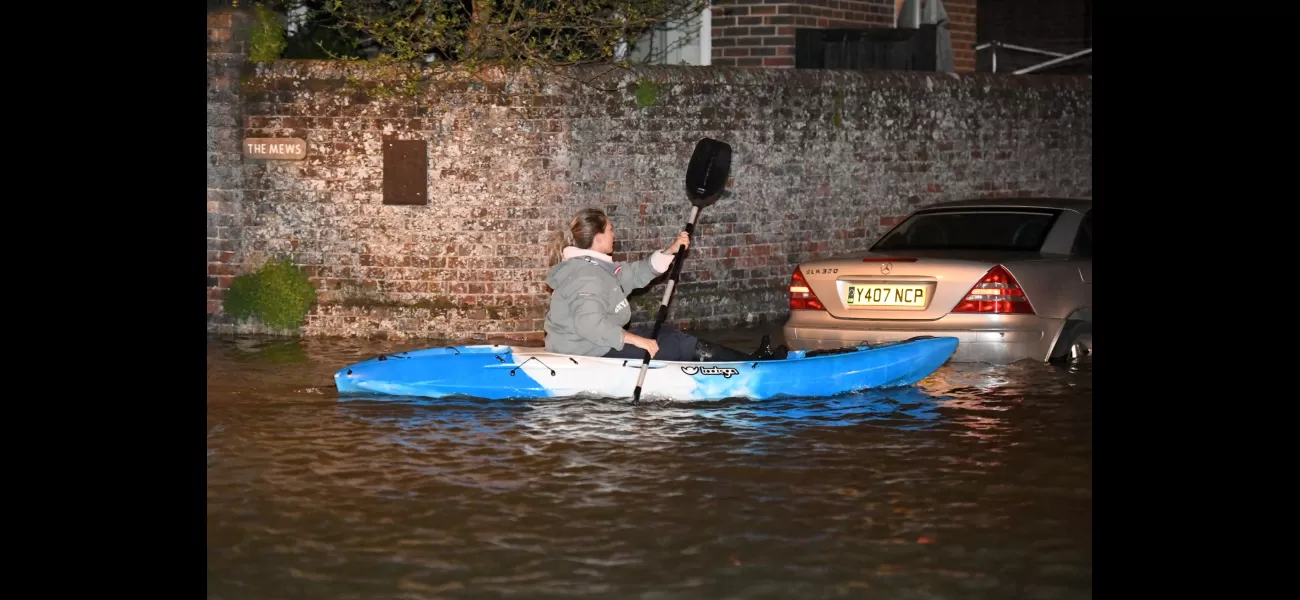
pixel 581 233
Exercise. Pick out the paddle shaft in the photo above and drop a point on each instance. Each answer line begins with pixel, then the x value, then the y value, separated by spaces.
pixel 662 315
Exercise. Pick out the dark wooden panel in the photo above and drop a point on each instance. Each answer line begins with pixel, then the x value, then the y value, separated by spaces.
pixel 883 49
pixel 406 172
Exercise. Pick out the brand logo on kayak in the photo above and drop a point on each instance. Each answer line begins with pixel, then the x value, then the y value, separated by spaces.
pixel 726 372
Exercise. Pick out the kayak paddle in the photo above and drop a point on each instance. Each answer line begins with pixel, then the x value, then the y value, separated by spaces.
pixel 706 177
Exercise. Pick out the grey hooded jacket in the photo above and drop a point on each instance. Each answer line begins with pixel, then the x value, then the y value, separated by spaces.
pixel 589 307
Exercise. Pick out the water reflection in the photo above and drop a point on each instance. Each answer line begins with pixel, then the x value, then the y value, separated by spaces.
pixel 976 483
pixel 273 351
pixel 904 408
pixel 464 420
pixel 961 399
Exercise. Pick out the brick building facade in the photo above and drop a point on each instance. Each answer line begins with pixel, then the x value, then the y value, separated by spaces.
pixel 762 33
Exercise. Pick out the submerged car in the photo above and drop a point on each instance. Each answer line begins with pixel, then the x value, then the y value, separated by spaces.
pixel 1011 278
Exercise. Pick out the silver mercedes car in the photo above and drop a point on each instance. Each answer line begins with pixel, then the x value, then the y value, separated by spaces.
pixel 1011 278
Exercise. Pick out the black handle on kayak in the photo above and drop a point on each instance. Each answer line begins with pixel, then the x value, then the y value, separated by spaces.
pixel 706 178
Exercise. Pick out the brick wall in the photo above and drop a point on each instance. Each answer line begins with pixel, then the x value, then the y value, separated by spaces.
pixel 962 19
pixel 760 33
pixel 823 160
pixel 228 37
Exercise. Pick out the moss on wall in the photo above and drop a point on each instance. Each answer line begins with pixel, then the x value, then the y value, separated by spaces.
pixel 647 93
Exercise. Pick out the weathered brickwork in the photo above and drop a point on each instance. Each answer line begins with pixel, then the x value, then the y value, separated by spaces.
pixel 822 162
pixel 228 37
pixel 760 33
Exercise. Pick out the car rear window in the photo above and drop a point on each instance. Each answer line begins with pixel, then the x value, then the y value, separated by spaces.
pixel 1022 229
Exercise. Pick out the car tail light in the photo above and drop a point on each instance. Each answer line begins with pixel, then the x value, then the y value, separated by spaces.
pixel 996 293
pixel 801 294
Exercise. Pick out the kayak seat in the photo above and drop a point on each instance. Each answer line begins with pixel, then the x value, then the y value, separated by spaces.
pixel 827 352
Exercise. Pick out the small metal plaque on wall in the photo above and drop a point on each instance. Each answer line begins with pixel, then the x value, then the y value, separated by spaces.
pixel 406 172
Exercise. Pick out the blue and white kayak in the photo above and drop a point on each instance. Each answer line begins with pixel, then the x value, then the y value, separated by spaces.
pixel 499 371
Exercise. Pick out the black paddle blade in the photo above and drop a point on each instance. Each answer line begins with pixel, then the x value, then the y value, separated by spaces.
pixel 707 174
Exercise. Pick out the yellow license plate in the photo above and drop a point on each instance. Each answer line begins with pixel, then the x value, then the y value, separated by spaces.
pixel 885 295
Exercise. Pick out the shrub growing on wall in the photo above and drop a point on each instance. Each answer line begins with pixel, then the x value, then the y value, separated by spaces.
pixel 268 41
pixel 278 295
pixel 536 33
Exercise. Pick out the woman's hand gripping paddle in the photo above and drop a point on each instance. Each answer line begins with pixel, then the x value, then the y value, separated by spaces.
pixel 706 178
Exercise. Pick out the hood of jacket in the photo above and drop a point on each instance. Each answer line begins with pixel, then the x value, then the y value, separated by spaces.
pixel 567 267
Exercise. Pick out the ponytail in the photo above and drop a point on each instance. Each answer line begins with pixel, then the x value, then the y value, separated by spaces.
pixel 581 231
pixel 555 249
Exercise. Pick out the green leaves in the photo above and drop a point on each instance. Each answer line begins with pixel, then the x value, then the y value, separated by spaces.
pixel 268 41
pixel 504 32
pixel 278 295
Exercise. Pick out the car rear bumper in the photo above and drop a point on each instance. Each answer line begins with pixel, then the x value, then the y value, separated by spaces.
pixel 997 339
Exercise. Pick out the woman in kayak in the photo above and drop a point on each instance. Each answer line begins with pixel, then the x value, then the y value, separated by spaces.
pixel 589 305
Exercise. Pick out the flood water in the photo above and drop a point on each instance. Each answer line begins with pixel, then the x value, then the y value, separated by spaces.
pixel 976 483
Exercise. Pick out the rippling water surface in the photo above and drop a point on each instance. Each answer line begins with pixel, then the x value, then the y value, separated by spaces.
pixel 976 483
